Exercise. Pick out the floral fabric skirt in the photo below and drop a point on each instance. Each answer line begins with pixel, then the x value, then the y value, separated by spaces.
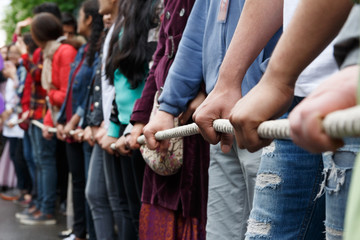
pixel 157 223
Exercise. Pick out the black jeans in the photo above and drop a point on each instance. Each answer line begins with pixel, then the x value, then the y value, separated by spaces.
pixel 117 197
pixel 24 181
pixel 132 169
pixel 62 170
pixel 75 156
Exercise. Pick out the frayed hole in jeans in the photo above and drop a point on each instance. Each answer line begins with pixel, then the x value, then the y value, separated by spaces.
pixel 333 232
pixel 257 228
pixel 267 180
pixel 269 150
pixel 334 176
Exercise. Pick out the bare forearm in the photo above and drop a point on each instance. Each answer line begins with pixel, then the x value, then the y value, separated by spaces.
pixel 75 119
pixel 259 21
pixel 313 26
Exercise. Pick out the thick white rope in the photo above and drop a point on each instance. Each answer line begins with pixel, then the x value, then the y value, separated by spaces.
pixel 182 131
pixel 13 123
pixel 51 129
pixel 41 126
pixel 339 124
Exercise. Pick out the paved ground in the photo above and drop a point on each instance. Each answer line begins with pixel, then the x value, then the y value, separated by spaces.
pixel 11 229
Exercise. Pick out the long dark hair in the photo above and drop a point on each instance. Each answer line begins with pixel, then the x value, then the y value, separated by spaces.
pixel 130 53
pixel 91 8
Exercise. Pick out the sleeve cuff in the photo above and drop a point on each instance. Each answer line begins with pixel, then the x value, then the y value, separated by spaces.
pixel 170 109
pixel 128 129
pixel 80 111
pixel 113 130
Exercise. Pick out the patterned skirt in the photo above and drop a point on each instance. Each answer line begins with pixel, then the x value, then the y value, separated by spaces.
pixel 157 223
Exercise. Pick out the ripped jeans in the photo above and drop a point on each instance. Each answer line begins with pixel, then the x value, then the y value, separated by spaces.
pixel 285 204
pixel 337 175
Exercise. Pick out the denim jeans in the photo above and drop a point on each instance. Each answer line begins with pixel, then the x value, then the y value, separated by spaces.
pixel 28 155
pixel 46 176
pixel 117 197
pixel 337 176
pixel 87 149
pixel 106 196
pixel 285 203
pixel 231 188
pixel 97 196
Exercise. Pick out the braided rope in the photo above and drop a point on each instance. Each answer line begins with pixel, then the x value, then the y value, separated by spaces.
pixel 339 124
pixel 182 131
pixel 41 126
pixel 50 129
pixel 17 122
pixel 279 129
pixel 343 123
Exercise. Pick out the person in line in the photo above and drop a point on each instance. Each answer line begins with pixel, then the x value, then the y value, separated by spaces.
pixel 105 197
pixel 71 115
pixel 45 30
pixel 174 205
pixel 127 67
pixel 287 80
pixel 206 38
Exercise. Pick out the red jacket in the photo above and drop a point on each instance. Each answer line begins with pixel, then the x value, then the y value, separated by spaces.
pixel 62 60
pixel 33 98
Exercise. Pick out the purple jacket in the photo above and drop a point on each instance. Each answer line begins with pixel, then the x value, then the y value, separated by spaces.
pixel 2 104
pixel 188 188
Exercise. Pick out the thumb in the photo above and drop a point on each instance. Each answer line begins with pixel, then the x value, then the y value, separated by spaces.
pixel 164 145
pixel 150 139
pixel 226 142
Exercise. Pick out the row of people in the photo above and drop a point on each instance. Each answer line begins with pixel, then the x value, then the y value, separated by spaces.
pixel 212 60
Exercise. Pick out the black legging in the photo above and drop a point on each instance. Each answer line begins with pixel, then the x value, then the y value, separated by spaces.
pixel 75 156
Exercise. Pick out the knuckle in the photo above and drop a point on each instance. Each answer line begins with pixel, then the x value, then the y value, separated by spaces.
pixel 147 132
pixel 200 118
pixel 236 120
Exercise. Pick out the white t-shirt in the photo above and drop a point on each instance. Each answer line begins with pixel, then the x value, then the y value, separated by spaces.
pixel 107 90
pixel 320 69
pixel 11 100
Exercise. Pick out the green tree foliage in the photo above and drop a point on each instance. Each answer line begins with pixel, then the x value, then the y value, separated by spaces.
pixel 21 9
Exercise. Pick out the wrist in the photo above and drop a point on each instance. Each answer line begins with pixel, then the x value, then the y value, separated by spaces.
pixel 230 78
pixel 276 72
pixel 163 114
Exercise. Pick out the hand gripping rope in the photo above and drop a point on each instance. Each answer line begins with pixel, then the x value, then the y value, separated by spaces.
pixel 339 124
